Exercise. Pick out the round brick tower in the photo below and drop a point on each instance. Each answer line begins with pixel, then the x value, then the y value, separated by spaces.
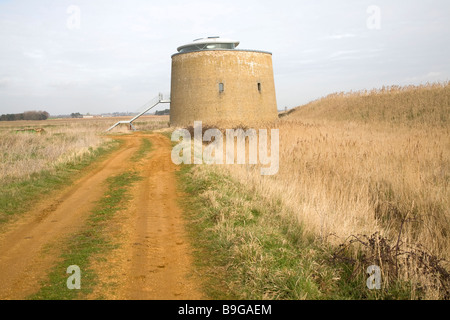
pixel 214 82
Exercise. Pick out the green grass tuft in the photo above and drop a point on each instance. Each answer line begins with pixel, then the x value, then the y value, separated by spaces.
pixel 251 248
pixel 88 244
pixel 19 196
pixel 145 148
pixel 246 248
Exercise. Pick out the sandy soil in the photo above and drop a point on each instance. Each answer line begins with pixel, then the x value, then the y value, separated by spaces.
pixel 153 259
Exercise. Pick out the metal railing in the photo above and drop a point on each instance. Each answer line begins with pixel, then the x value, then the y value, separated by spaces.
pixel 161 98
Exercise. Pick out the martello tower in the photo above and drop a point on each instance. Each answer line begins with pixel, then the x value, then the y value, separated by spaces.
pixel 212 81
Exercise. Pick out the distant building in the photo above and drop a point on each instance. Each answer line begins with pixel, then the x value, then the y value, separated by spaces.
pixel 213 81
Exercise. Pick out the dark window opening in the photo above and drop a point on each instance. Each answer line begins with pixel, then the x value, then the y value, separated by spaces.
pixel 208 46
pixel 221 87
pixel 259 87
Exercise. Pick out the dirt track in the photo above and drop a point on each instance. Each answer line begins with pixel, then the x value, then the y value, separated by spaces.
pixel 153 260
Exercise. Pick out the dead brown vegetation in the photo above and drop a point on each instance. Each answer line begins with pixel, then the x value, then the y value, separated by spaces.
pixel 366 163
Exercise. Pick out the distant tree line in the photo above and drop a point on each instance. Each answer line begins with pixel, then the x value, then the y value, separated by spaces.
pixel 76 115
pixel 29 115
pixel 162 112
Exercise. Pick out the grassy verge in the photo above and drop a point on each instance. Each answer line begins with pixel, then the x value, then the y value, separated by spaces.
pixel 258 252
pixel 87 244
pixel 250 248
pixel 168 134
pixel 146 147
pixel 19 196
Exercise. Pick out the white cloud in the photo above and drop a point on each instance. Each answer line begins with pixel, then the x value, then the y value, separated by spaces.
pixel 120 56
pixel 433 74
pixel 430 76
pixel 35 54
pixel 344 54
pixel 341 36
pixel 4 82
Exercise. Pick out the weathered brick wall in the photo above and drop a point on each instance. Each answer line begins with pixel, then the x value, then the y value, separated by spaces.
pixel 195 92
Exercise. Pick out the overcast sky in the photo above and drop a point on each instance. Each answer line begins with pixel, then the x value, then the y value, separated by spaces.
pixel 108 55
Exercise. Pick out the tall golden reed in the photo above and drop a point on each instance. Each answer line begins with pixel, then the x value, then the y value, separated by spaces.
pixel 365 162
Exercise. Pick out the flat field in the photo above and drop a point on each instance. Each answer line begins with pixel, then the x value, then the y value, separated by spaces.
pixel 363 181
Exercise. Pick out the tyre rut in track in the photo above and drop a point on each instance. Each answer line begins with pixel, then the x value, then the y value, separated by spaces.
pixel 23 264
pixel 154 260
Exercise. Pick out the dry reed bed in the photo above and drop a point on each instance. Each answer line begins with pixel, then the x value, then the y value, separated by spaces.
pixel 344 179
pixel 23 153
pixel 427 104
pixel 355 178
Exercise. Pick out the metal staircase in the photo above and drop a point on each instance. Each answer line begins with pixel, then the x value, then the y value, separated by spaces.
pixel 147 107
